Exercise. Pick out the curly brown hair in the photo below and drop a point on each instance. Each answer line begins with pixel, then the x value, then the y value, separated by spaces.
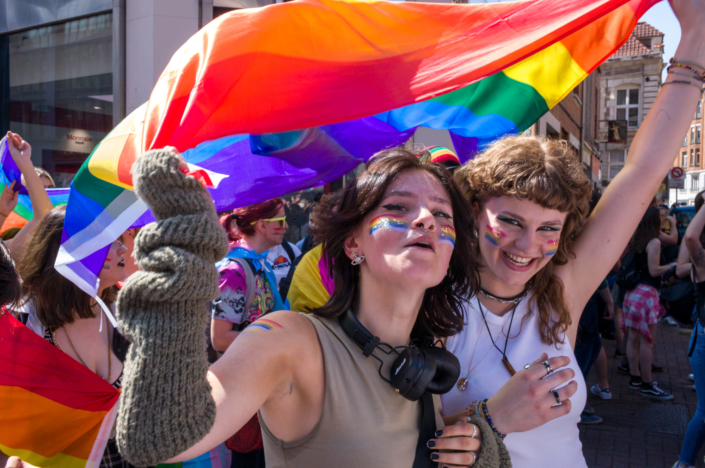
pixel 56 299
pixel 546 172
pixel 338 215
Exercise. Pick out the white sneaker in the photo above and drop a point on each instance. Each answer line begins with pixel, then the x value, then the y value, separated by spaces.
pixel 680 464
pixel 670 320
pixel 603 393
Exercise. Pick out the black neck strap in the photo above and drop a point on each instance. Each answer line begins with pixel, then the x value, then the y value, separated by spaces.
pixel 358 333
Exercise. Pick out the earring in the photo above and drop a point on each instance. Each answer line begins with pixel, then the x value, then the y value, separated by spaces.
pixel 357 259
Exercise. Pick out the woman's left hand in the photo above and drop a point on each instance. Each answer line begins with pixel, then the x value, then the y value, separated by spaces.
pixel 464 438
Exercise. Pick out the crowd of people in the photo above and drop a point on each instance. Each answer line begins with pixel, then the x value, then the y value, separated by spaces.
pixel 430 313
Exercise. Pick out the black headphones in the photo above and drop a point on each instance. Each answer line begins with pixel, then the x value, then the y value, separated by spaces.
pixel 416 370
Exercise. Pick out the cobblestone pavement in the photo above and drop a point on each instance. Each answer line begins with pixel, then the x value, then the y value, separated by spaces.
pixel 638 432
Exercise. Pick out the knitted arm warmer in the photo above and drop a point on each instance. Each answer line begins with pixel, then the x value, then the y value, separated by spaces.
pixel 166 404
pixel 493 453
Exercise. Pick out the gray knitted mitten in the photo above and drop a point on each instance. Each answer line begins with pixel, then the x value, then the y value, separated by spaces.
pixel 166 405
pixel 494 453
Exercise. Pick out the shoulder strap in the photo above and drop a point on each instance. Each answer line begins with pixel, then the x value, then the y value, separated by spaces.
pixel 289 251
pixel 427 431
pixel 307 245
pixel 249 270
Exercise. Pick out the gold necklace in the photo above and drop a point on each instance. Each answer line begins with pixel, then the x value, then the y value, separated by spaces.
pixel 110 363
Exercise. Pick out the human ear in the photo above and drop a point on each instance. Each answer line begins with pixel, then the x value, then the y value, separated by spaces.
pixel 351 246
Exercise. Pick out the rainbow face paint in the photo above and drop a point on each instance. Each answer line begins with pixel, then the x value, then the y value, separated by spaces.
pixel 388 223
pixel 447 235
pixel 106 264
pixel 552 248
pixel 265 324
pixel 494 235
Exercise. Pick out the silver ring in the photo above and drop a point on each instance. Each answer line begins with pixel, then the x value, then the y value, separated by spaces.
pixel 474 458
pixel 549 371
pixel 556 396
pixel 528 366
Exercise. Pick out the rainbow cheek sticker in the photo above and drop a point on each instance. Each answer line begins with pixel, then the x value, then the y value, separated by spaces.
pixel 388 223
pixel 447 235
pixel 265 324
pixel 493 235
pixel 552 248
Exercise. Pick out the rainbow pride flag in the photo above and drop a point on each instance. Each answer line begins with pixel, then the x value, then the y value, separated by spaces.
pixel 266 96
pixel 23 211
pixel 55 412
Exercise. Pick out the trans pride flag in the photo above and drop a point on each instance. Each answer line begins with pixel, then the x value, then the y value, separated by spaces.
pixel 294 95
pixel 23 211
pixel 55 412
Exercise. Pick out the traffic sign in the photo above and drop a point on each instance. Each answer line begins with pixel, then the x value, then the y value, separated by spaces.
pixel 676 173
pixel 677 178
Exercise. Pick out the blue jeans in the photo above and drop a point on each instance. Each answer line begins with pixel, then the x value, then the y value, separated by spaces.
pixel 586 354
pixel 695 435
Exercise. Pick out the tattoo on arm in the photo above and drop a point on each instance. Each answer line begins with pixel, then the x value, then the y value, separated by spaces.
pixel 264 324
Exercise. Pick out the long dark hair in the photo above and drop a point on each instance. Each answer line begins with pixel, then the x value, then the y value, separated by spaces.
pixel 56 299
pixel 441 311
pixel 647 230
pixel 10 288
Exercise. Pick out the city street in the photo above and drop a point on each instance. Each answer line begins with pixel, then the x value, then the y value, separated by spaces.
pixel 638 432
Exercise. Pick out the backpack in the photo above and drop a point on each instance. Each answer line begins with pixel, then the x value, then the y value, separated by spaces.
pixel 629 275
pixel 285 283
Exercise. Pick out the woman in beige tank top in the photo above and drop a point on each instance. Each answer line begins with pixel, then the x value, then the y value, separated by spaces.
pixel 401 243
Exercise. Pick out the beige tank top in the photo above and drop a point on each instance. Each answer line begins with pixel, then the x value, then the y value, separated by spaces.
pixel 364 421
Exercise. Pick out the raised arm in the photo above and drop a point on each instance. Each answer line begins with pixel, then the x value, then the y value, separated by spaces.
pixel 691 239
pixel 21 152
pixel 172 405
pixel 672 238
pixel 625 200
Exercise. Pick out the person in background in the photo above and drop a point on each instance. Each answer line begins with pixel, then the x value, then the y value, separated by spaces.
pixel 588 345
pixel 68 318
pixel 694 240
pixel 642 307
pixel 282 257
pixel 248 286
pixel 306 243
pixel 21 152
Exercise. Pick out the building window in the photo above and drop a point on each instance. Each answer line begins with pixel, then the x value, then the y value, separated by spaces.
pixel 628 106
pixel 697 157
pixel 697 134
pixel 617 156
pixel 685 159
pixel 699 110
pixel 695 183
pixel 692 135
pixel 692 158
pixel 60 88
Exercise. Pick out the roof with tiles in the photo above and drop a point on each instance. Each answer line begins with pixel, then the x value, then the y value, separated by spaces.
pixel 634 47
pixel 644 29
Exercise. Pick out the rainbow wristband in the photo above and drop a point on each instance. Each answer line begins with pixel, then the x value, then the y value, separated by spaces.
pixel 486 414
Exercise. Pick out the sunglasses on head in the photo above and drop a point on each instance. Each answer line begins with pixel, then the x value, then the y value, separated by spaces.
pixel 281 220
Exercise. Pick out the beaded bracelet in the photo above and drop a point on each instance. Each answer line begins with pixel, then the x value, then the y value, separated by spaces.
pixel 681 62
pixel 687 67
pixel 700 88
pixel 676 72
pixel 486 414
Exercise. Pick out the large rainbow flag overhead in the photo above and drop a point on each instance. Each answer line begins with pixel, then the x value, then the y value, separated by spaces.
pixel 294 95
pixel 55 412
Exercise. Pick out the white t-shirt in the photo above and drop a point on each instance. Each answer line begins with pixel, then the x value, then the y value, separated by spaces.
pixel 280 261
pixel 556 443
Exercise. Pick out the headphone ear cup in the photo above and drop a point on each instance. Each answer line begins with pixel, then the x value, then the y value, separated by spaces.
pixel 447 370
pixel 412 372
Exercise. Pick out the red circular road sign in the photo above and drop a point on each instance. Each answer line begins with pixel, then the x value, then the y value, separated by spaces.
pixel 677 172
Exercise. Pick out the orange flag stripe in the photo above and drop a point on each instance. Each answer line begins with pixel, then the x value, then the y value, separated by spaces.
pixel 55 428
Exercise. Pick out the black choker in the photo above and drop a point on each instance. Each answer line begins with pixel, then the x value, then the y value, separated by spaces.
pixel 505 300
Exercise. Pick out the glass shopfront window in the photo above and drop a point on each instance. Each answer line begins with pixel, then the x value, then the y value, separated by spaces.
pixel 60 89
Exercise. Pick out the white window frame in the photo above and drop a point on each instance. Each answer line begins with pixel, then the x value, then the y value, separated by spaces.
pixel 684 159
pixel 629 105
pixel 698 134
pixel 695 183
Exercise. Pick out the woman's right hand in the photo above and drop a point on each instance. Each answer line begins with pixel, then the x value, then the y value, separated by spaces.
pixel 525 402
